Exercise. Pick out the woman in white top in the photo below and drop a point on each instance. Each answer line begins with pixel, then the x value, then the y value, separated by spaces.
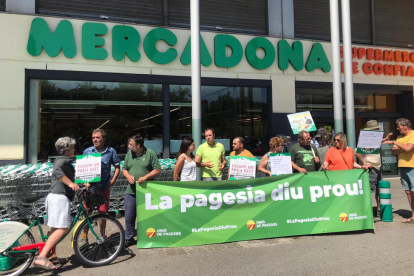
pixel 186 168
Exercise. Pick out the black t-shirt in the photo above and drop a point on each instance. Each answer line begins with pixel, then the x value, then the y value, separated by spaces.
pixel 303 157
pixel 62 167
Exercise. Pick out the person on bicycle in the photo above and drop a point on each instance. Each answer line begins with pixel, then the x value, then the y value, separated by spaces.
pixel 141 164
pixel 108 158
pixel 58 201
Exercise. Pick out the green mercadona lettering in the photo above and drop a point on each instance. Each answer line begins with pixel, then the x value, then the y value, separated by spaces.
pixel 126 40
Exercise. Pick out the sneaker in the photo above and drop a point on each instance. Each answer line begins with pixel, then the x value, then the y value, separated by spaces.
pixel 130 242
pixel 83 242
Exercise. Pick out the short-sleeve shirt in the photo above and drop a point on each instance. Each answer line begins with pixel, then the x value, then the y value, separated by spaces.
pixel 244 153
pixel 139 166
pixel 406 159
pixel 337 162
pixel 303 157
pixel 213 154
pixel 62 167
pixel 109 157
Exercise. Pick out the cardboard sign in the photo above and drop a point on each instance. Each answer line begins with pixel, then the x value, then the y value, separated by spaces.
pixel 242 167
pixel 280 163
pixel 301 121
pixel 369 141
pixel 88 168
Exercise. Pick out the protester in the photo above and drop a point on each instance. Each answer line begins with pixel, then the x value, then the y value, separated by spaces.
pixel 404 148
pixel 305 157
pixel 276 146
pixel 373 163
pixel 340 156
pixel 316 139
pixel 185 167
pixel 239 150
pixel 58 201
pixel 108 158
pixel 324 145
pixel 141 164
pixel 210 157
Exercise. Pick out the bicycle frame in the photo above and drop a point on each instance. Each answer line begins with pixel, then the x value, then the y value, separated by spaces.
pixel 38 247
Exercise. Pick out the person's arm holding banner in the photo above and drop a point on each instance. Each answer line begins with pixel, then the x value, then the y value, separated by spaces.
pixel 299 169
pixel 156 169
pixel 294 166
pixel 360 158
pixel 154 173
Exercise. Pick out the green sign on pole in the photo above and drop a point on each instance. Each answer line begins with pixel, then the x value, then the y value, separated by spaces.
pixel 174 214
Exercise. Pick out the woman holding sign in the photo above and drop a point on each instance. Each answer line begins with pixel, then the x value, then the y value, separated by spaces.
pixel 340 156
pixel 276 146
pixel 186 168
pixel 58 202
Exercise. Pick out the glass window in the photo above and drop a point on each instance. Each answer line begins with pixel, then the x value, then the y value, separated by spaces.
pixel 309 99
pixel 231 111
pixel 317 99
pixel 386 103
pixel 76 108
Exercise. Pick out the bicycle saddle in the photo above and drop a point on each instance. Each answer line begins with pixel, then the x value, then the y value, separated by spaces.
pixel 31 199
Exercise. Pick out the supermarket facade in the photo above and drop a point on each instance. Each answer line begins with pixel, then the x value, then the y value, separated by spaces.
pixel 64 74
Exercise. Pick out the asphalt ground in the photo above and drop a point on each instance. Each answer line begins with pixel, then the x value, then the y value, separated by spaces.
pixel 386 250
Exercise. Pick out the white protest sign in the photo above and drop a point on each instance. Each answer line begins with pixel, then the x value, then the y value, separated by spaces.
pixel 242 167
pixel 280 163
pixel 369 141
pixel 88 168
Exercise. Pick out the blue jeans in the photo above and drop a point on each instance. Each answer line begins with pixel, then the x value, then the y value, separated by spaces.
pixel 130 204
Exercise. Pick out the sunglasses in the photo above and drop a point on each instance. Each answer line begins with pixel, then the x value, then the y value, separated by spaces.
pixel 308 139
pixel 337 140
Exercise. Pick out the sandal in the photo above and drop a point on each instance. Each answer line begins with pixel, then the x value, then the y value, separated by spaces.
pixel 46 266
pixel 57 260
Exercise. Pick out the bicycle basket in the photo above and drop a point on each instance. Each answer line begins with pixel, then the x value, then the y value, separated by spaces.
pixel 93 198
pixel 7 262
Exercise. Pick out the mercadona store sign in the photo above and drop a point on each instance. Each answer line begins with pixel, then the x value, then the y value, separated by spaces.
pixel 127 39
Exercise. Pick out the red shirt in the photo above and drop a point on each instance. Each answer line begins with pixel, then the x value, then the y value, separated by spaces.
pixel 336 157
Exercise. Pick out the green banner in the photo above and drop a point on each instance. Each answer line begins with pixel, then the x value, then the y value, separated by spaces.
pixel 173 214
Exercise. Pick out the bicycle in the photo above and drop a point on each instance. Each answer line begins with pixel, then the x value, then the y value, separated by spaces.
pixel 18 245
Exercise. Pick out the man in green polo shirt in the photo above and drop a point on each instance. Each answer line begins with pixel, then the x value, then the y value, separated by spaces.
pixel 141 164
pixel 210 157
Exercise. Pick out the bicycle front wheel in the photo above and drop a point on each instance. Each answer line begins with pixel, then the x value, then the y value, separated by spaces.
pixel 13 263
pixel 92 251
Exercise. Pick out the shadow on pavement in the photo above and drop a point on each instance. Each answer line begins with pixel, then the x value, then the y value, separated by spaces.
pixel 403 213
pixel 74 263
